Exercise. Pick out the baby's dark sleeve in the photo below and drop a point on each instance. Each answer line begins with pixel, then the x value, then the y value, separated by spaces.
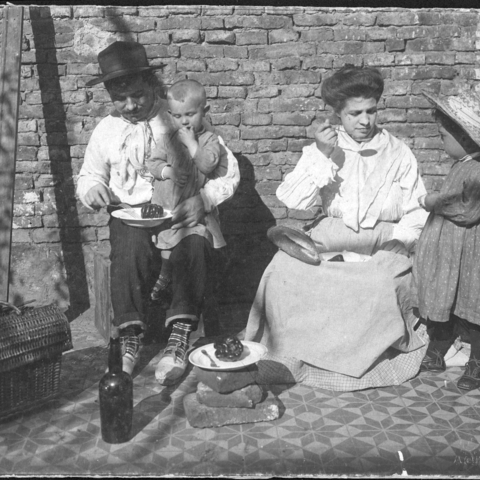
pixel 207 155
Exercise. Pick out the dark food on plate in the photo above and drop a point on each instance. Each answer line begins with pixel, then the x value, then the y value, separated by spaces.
pixel 228 348
pixel 151 211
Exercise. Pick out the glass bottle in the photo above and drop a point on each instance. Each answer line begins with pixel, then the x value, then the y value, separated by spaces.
pixel 116 397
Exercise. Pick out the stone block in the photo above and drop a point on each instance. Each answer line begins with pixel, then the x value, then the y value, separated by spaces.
pixel 282 50
pixel 227 381
pixel 232 92
pixel 283 35
pixel 225 119
pixel 395 45
pixel 265 22
pixel 315 20
pixel 179 36
pixel 286 63
pixel 263 91
pixel 348 34
pixel 252 38
pixel 246 397
pixel 235 52
pixel 203 416
pixel 396 18
pixel 262 133
pixel 219 36
pixel 272 145
pixel 191 65
pixel 256 66
pixel 211 23
pixel 256 119
pixel 222 64
pixel 360 19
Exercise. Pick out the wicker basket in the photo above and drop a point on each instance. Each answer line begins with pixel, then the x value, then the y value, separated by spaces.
pixel 31 346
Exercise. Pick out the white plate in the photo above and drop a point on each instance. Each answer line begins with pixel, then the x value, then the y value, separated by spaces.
pixel 133 217
pixel 252 353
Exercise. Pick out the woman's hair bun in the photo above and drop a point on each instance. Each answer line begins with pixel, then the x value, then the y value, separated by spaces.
pixel 351 82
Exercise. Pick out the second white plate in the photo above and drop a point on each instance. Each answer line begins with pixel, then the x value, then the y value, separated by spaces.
pixel 252 353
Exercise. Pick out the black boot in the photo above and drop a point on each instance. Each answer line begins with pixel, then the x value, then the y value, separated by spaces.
pixel 470 380
pixel 433 360
pixel 442 337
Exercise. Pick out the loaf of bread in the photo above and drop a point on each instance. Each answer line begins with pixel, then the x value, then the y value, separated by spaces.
pixel 295 243
pixel 151 211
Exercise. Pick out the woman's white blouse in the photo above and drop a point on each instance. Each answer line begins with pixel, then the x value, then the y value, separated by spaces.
pixel 362 183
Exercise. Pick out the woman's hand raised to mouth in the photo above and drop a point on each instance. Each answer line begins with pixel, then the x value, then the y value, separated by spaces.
pixel 326 138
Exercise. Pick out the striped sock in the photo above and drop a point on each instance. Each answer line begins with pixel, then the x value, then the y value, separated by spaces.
pixel 161 289
pixel 178 341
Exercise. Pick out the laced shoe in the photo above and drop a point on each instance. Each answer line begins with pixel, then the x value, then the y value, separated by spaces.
pixel 433 362
pixel 130 352
pixel 470 380
pixel 173 362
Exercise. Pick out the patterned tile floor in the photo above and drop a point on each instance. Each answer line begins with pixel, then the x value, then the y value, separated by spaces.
pixel 319 432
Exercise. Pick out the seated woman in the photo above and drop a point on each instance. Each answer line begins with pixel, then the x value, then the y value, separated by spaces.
pixel 346 325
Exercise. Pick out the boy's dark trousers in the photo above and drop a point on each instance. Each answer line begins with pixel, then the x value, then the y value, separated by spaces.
pixel 135 264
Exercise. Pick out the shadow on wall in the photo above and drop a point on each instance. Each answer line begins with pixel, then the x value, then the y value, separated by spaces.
pixel 61 162
pixel 7 177
pixel 245 220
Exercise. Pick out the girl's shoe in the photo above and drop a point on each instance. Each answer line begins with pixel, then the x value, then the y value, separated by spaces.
pixel 433 362
pixel 470 380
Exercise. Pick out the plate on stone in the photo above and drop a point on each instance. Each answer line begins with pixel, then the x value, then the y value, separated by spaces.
pixel 252 353
pixel 133 217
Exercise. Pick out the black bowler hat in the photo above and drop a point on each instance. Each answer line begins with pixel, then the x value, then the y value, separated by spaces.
pixel 120 59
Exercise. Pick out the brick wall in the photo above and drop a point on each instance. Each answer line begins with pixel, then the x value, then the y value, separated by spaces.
pixel 262 68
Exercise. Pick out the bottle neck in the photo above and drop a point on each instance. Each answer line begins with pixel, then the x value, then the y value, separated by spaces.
pixel 115 356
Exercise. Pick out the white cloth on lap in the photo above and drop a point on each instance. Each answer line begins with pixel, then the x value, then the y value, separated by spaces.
pixel 336 316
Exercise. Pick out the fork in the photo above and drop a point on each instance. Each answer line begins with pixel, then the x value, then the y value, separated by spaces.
pixel 212 363
pixel 127 209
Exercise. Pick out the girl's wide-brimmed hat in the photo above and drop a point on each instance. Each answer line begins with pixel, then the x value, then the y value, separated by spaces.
pixel 463 109
pixel 120 59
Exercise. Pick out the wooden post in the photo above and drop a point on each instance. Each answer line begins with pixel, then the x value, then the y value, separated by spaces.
pixel 103 302
pixel 10 63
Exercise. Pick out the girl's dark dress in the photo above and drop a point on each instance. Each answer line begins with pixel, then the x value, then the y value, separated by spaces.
pixel 447 263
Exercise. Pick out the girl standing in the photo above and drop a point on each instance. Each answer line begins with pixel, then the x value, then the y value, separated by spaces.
pixel 447 263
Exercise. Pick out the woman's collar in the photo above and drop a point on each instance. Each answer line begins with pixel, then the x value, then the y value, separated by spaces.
pixel 355 146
